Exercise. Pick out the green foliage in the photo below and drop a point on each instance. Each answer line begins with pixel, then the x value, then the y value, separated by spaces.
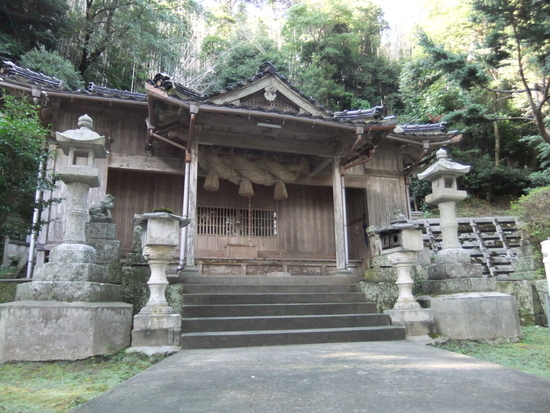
pixel 244 59
pixel 511 23
pixel 29 23
pixel 333 53
pixel 539 179
pixel 113 42
pixel 163 209
pixel 21 151
pixel 52 64
pixel 425 91
pixel 418 191
pixel 533 210
pixel 487 181
pixel 531 354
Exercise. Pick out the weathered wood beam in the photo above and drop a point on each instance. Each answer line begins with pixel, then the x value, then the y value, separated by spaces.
pixel 319 168
pixel 339 211
pixel 146 163
pixel 281 87
pixel 192 212
pixel 266 144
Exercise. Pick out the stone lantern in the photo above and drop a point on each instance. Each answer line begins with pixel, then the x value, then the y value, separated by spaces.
pixel 445 194
pixel 69 311
pixel 464 303
pixel 157 327
pixel 451 261
pixel 401 241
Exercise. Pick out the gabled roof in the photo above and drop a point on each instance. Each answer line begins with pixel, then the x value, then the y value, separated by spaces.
pixel 268 89
pixel 269 92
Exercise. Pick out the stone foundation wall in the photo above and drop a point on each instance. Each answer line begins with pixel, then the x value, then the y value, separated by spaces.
pixel 133 282
pixel 528 293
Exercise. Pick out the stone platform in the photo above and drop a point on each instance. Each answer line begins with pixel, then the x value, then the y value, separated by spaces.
pixel 51 330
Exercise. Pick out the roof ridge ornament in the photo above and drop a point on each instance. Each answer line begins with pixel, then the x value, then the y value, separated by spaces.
pixel 265 68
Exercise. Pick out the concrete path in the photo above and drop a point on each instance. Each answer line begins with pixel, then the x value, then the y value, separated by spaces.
pixel 375 377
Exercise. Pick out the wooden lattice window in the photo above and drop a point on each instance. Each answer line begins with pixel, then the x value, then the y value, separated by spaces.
pixel 235 222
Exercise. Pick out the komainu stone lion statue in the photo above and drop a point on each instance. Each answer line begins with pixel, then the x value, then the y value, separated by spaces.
pixel 102 212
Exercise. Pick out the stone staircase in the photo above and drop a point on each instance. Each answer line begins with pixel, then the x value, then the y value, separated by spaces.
pixel 491 241
pixel 230 311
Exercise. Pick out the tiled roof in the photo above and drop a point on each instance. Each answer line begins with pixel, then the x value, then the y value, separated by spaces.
pixel 14 72
pixel 368 117
pixel 371 117
pixel 115 93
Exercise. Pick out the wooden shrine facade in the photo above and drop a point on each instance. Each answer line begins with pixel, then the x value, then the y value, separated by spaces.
pixel 317 177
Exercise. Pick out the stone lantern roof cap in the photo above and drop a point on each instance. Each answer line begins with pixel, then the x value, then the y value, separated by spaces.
pixel 443 167
pixel 141 219
pixel 83 138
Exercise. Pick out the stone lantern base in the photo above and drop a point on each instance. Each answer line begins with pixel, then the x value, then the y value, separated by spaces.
pixel 156 334
pixel 418 322
pixel 52 330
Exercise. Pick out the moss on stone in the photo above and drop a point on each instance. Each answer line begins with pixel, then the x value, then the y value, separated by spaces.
pixel 7 291
pixel 384 294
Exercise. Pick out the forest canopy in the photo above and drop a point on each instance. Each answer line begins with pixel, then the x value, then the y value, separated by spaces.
pixel 481 65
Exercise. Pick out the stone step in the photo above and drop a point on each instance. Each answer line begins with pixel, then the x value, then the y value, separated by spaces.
pixel 251 310
pixel 269 298
pixel 265 280
pixel 500 269
pixel 217 324
pixel 266 288
pixel 286 337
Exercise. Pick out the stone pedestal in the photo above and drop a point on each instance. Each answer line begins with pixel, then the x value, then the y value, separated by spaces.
pixel 157 327
pixel 417 321
pixel 74 312
pixel 102 236
pixel 453 272
pixel 475 316
pixel 53 330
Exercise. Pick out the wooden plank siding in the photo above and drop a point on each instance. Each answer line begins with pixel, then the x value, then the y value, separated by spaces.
pixel 304 221
pixel 384 196
pixel 139 192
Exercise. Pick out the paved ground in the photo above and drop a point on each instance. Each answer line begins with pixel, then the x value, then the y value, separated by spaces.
pixel 375 377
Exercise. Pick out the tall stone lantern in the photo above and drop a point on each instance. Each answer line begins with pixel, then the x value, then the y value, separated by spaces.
pixel 157 327
pixel 464 303
pixel 69 311
pixel 451 261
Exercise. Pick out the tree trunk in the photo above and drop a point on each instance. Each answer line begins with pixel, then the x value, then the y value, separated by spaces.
pixel 497 144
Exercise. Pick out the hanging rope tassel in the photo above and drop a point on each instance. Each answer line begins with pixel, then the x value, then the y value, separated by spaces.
pixel 212 182
pixel 280 191
pixel 245 189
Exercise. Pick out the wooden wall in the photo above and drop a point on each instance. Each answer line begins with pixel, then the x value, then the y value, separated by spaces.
pixel 139 192
pixel 385 183
pixel 305 222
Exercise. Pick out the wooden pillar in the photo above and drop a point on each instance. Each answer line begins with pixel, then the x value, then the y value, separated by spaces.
pixel 192 211
pixel 339 219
